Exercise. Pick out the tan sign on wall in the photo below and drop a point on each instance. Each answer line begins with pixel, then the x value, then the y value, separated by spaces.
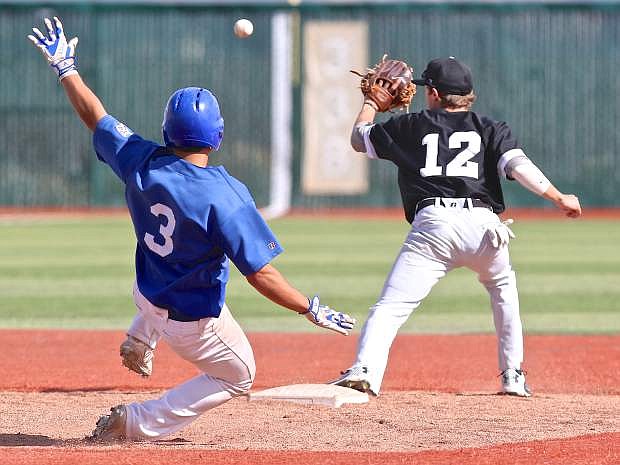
pixel 331 100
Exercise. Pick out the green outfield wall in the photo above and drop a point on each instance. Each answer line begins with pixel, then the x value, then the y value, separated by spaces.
pixel 550 70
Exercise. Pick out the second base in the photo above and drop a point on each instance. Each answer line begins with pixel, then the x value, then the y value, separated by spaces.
pixel 323 394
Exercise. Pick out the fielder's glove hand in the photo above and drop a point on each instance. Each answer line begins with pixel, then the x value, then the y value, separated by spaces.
pixel 499 234
pixel 387 85
pixel 325 317
pixel 59 53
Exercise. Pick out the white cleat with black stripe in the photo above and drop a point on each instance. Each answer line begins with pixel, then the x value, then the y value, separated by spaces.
pixel 356 378
pixel 513 383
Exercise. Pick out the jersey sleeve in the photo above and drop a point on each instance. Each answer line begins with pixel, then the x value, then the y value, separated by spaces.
pixel 119 147
pixel 247 240
pixel 504 146
pixel 383 136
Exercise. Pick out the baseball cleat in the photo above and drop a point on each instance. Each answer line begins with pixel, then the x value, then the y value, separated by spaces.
pixel 513 383
pixel 137 356
pixel 354 378
pixel 111 427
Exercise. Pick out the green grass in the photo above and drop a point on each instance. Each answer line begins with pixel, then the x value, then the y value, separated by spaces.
pixel 79 273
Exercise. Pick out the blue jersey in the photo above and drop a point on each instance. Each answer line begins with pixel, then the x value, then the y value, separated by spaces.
pixel 188 222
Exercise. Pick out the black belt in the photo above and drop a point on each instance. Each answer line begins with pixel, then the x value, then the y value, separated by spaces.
pixel 180 316
pixel 475 203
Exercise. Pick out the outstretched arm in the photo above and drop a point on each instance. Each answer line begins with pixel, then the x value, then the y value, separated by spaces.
pixel 269 282
pixel 60 54
pixel 86 104
pixel 390 76
pixel 530 177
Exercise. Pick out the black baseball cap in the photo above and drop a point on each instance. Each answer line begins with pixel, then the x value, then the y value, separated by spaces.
pixel 448 76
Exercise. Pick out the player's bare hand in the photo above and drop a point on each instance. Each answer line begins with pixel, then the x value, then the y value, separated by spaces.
pixel 54 46
pixel 569 204
pixel 325 317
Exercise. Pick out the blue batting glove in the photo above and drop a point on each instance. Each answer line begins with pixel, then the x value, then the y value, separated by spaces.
pixel 59 53
pixel 325 317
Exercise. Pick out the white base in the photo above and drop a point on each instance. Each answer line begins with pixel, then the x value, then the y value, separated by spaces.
pixel 323 394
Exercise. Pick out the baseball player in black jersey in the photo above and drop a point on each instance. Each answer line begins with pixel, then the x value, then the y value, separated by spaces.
pixel 450 162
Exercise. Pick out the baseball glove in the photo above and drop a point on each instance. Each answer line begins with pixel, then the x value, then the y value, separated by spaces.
pixel 388 84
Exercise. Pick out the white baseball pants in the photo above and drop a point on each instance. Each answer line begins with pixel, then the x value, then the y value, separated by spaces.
pixel 217 346
pixel 441 239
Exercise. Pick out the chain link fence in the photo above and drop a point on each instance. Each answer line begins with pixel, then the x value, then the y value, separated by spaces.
pixel 551 71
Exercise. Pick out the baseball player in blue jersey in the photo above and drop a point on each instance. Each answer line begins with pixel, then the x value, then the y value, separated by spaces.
pixel 190 219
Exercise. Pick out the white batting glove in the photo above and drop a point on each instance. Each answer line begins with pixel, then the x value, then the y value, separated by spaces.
pixel 59 53
pixel 325 317
pixel 499 234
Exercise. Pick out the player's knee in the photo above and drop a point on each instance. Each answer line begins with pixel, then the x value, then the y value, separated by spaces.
pixel 243 381
pixel 240 386
pixel 390 308
pixel 505 277
pixel 244 386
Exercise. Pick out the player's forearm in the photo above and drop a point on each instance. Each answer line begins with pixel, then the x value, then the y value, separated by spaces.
pixel 270 283
pixel 367 113
pixel 552 194
pixel 530 177
pixel 59 53
pixel 86 104
pixel 365 117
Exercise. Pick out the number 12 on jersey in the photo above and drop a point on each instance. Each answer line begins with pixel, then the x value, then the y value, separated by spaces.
pixel 461 165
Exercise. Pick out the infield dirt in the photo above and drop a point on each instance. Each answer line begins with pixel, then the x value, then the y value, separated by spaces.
pixel 439 405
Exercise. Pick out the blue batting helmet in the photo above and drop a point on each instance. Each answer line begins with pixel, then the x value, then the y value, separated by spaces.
pixel 192 119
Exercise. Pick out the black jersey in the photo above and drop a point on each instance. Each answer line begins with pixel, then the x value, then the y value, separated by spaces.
pixel 445 154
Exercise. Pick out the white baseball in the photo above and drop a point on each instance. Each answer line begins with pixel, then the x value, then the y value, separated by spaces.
pixel 243 28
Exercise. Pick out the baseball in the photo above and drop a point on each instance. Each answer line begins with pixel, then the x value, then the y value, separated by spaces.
pixel 243 28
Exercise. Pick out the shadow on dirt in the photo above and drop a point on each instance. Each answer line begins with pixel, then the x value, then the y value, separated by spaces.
pixel 30 440
pixel 173 442
pixel 80 389
pixel 19 439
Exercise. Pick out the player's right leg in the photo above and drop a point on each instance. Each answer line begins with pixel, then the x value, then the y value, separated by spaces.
pixel 420 264
pixel 497 276
pixel 220 349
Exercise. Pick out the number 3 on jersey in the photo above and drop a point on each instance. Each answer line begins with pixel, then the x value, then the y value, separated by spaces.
pixel 165 230
pixel 459 166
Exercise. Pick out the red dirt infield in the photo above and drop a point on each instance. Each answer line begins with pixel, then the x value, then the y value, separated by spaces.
pixel 586 450
pixel 48 361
